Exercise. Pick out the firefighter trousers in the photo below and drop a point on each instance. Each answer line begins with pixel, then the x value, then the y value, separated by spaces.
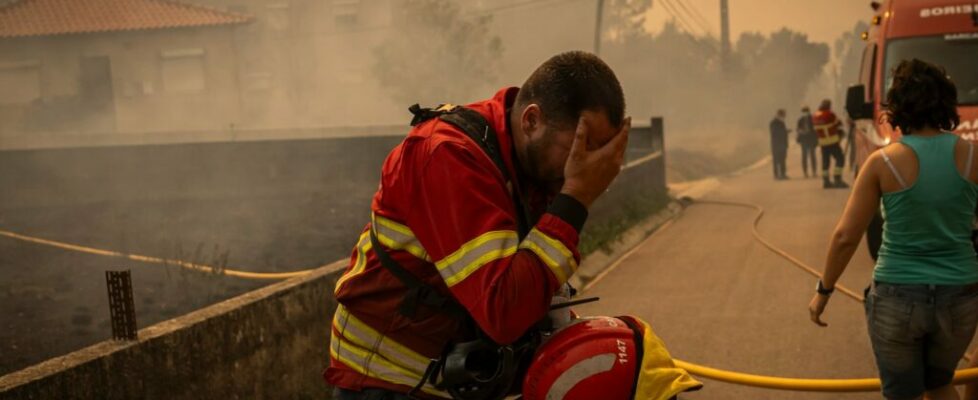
pixel 828 153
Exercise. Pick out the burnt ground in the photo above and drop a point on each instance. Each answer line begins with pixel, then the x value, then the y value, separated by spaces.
pixel 261 206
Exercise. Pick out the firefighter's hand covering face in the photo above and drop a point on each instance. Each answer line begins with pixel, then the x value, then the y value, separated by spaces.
pixel 579 160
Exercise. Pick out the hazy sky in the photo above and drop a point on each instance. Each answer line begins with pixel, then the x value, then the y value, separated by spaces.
pixel 822 20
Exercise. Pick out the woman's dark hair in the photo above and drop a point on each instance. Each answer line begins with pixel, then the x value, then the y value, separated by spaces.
pixel 922 96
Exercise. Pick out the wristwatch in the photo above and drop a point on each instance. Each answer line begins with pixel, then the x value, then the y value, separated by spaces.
pixel 820 288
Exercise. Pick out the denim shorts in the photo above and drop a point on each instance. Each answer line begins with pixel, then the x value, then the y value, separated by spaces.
pixel 919 332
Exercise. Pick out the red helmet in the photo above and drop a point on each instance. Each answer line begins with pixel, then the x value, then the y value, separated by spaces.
pixel 604 358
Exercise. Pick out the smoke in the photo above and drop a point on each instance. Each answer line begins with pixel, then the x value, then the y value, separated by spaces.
pixel 244 143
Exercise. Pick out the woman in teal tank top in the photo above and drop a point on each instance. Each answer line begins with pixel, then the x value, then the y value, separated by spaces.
pixel 922 307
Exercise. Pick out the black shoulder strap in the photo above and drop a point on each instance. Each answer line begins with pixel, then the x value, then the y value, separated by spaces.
pixel 479 130
pixel 475 126
pixel 418 292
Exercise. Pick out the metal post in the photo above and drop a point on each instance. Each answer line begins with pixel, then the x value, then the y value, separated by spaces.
pixel 122 309
pixel 659 144
pixel 724 35
pixel 597 28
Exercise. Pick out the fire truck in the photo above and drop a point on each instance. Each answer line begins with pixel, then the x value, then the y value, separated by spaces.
pixel 943 32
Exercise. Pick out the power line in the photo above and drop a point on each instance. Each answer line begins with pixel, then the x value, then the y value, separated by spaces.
pixel 696 16
pixel 684 25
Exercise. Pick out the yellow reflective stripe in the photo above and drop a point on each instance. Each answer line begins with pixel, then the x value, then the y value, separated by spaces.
pixel 360 360
pixel 362 334
pixel 363 246
pixel 552 252
pixel 830 140
pixel 477 252
pixel 398 237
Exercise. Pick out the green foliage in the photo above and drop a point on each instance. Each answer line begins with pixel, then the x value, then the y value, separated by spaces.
pixel 437 54
pixel 624 18
pixel 848 50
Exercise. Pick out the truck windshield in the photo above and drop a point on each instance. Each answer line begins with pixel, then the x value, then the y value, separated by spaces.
pixel 958 56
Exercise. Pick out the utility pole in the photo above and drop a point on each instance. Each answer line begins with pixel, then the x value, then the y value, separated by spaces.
pixel 724 35
pixel 597 28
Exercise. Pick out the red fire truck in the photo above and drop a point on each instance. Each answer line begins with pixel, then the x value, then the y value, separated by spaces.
pixel 943 32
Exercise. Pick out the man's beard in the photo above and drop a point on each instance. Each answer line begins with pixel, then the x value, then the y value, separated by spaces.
pixel 550 180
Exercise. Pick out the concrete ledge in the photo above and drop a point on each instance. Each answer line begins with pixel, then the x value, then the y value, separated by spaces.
pixel 262 335
pixel 598 262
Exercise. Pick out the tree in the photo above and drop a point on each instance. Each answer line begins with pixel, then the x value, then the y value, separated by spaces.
pixel 848 53
pixel 624 18
pixel 437 54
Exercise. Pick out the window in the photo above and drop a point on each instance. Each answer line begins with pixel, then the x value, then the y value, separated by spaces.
pixel 21 82
pixel 955 53
pixel 345 12
pixel 183 71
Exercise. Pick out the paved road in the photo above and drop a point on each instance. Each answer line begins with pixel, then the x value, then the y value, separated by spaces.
pixel 719 298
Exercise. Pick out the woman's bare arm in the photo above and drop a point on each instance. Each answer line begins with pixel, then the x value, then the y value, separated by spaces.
pixel 862 205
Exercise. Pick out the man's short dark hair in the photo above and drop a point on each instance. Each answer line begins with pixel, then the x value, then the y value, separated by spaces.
pixel 571 82
pixel 922 96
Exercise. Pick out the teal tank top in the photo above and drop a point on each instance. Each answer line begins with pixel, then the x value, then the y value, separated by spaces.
pixel 927 228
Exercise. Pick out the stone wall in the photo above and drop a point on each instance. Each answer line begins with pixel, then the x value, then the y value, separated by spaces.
pixel 270 343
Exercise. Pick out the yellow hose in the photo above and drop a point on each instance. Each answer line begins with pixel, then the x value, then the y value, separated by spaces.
pixel 739 378
pixel 776 250
pixel 156 260
pixel 798 384
pixel 961 376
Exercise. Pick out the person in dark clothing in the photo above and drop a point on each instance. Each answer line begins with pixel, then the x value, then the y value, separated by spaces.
pixel 779 145
pixel 808 141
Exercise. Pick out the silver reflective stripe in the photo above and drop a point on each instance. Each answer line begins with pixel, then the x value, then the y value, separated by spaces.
pixel 582 370
pixel 362 247
pixel 358 359
pixel 360 334
pixel 560 260
pixel 478 252
pixel 398 237
pixel 359 362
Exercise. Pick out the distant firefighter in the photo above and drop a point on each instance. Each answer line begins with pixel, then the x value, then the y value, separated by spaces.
pixel 808 141
pixel 779 145
pixel 829 138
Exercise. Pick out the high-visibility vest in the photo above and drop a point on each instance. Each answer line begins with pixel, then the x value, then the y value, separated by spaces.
pixel 827 127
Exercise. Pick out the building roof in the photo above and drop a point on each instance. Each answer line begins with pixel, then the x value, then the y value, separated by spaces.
pixel 24 18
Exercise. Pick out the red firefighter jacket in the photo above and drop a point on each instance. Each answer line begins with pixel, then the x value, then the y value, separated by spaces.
pixel 827 127
pixel 444 212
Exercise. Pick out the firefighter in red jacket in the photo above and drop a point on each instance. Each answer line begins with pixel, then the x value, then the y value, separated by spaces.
pixel 827 127
pixel 445 212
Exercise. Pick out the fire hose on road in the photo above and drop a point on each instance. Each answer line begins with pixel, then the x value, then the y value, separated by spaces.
pixel 768 382
pixel 961 376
